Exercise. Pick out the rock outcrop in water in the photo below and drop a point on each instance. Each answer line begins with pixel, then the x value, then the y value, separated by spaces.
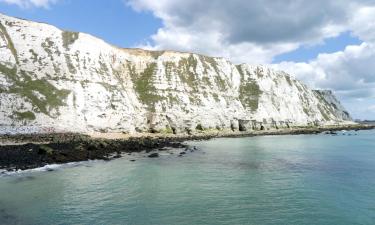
pixel 60 81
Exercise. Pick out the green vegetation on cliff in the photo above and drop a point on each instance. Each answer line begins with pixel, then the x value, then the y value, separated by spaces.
pixel 187 71
pixel 69 38
pixel 287 77
pixel 249 91
pixel 28 115
pixel 42 95
pixel 144 86
pixel 249 94
pixel 4 33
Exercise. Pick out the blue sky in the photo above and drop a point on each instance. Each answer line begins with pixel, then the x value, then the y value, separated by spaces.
pixel 309 52
pixel 111 20
pixel 325 43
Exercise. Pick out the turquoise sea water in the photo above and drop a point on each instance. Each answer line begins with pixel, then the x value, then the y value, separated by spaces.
pixel 305 179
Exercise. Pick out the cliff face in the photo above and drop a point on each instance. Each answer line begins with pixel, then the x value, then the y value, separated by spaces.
pixel 54 81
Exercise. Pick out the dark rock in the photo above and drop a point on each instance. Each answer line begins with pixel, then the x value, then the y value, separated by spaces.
pixel 117 156
pixel 332 132
pixel 153 155
pixel 182 153
pixel 44 149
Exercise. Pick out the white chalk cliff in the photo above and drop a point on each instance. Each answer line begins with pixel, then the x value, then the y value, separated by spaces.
pixel 59 81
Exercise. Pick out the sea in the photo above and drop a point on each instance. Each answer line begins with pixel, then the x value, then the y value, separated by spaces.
pixel 288 179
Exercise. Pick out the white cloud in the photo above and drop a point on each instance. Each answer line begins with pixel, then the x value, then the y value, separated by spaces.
pixel 30 3
pixel 350 73
pixel 371 109
pixel 250 31
pixel 363 24
pixel 215 44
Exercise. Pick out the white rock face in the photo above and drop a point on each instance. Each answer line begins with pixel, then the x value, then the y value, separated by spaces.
pixel 59 81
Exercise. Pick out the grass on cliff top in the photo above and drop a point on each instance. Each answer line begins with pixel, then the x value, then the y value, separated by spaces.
pixel 69 38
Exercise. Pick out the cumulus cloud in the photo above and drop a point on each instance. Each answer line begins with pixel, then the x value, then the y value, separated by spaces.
pixel 371 108
pixel 30 3
pixel 363 24
pixel 351 73
pixel 247 31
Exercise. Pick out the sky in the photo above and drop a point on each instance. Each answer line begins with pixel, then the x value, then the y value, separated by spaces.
pixel 328 44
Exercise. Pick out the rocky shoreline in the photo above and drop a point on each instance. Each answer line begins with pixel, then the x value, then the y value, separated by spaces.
pixel 28 151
